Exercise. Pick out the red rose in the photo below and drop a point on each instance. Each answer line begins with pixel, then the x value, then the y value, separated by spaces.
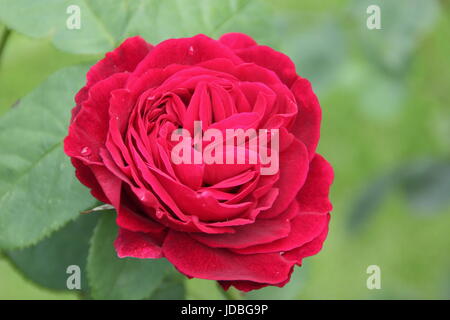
pixel 225 222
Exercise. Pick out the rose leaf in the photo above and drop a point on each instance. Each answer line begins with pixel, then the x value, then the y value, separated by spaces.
pixel 39 192
pixel 111 277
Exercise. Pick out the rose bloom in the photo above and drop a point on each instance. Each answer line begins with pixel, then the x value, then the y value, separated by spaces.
pixel 224 222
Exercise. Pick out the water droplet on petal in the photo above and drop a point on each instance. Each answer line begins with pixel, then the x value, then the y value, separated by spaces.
pixel 191 50
pixel 85 151
pixel 151 98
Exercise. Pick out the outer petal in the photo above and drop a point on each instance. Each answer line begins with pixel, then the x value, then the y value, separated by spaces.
pixel 236 40
pixel 88 131
pixel 311 248
pixel 110 184
pixel 307 124
pixel 197 260
pixel 266 57
pixel 313 197
pixel 136 245
pixel 262 231
pixel 131 221
pixel 123 59
pixel 304 228
pixel 186 51
pixel 87 177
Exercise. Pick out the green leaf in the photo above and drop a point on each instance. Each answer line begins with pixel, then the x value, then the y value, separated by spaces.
pixel 160 20
pixel 370 199
pixel 171 288
pixel 319 51
pixel 26 63
pixel 46 263
pixel 426 185
pixel 105 23
pixel 424 182
pixel 377 86
pixel 38 189
pixel 403 25
pixel 200 289
pixel 47 18
pixel 111 277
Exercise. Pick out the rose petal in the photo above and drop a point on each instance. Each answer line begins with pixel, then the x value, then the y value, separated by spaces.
pixel 293 171
pixel 266 57
pixel 87 177
pixel 124 58
pixel 88 131
pixel 136 245
pixel 127 219
pixel 304 228
pixel 259 232
pixel 187 51
pixel 236 40
pixel 311 248
pixel 313 197
pixel 196 260
pixel 307 124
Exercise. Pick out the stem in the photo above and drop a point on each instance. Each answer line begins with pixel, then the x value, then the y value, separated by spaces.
pixel 228 295
pixel 3 40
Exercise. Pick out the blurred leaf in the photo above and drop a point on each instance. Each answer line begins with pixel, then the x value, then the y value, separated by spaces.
pixel 14 286
pixel 403 25
pixel 389 50
pixel 38 189
pixel 104 23
pixel 44 18
pixel 46 263
pixel 200 289
pixel 26 62
pixel 160 20
pixel 171 288
pixel 318 51
pixel 369 200
pixel 111 277
pixel 381 95
pixel 289 292
pixel 426 185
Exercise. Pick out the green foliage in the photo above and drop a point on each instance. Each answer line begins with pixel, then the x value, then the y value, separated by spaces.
pixel 403 24
pixel 46 263
pixel 21 71
pixel 113 278
pixel 171 288
pixel 425 184
pixel 48 18
pixel 105 23
pixel 38 190
pixel 160 20
pixel 198 289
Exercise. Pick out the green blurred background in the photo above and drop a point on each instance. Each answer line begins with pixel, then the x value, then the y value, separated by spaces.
pixel 386 130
